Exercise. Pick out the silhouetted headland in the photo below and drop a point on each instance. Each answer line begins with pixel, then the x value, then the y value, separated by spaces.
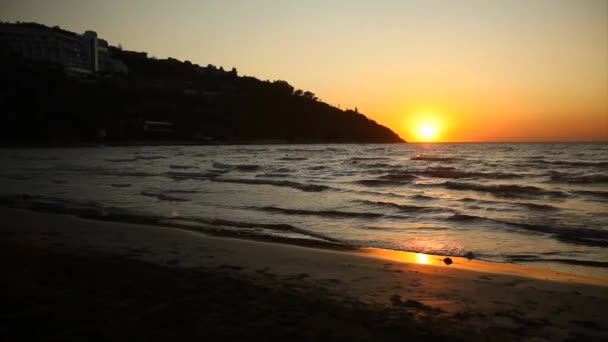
pixel 60 87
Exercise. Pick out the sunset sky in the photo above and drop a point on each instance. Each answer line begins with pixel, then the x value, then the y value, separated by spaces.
pixel 486 70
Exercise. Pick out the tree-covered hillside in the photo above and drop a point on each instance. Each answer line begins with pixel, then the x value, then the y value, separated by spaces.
pixel 43 103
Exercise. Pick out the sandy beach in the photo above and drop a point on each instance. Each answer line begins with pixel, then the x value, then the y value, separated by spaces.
pixel 74 278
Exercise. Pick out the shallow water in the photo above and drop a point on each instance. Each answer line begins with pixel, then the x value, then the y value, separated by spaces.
pixel 545 204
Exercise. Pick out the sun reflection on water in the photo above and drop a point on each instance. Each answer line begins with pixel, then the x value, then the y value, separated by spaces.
pixel 422 258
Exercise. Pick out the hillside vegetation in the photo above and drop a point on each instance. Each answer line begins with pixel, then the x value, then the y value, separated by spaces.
pixel 43 103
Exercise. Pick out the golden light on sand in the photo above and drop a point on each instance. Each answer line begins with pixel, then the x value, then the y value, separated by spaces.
pixel 422 258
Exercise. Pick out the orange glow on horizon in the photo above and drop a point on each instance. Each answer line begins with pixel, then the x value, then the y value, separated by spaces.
pixel 427 131
pixel 478 71
pixel 424 126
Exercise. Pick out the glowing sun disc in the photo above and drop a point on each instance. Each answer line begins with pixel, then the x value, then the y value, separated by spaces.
pixel 427 131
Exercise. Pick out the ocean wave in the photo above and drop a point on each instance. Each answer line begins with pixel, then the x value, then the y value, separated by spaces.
pixel 95 210
pixel 182 167
pixel 247 150
pixel 151 157
pixel 533 258
pixel 507 190
pixel 452 173
pixel 322 213
pixel 54 205
pixel 421 197
pixel 494 204
pixel 368 158
pixel 464 217
pixel 375 149
pixel 104 171
pixel 163 197
pixel 374 165
pixel 92 210
pixel 392 229
pixel 467 199
pixel 298 150
pixel 127 173
pixel 573 163
pixel 535 206
pixel 120 185
pixel 221 165
pixel 283 170
pixel 284 183
pixel 269 226
pixel 563 177
pixel 403 207
pixel 238 167
pixel 593 193
pixel 193 175
pixel 179 191
pixel 293 158
pixel 425 157
pixel 273 175
pixel 122 160
pixel 247 167
pixel 399 176
pixel 575 235
pixel 134 159
pixel 377 182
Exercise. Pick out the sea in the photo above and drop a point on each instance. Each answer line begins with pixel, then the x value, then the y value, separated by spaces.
pixel 539 204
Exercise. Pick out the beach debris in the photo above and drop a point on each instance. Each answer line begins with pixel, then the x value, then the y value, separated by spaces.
pixel 470 255
pixel 448 261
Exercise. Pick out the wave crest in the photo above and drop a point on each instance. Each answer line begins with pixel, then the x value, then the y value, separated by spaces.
pixel 279 183
pixel 507 190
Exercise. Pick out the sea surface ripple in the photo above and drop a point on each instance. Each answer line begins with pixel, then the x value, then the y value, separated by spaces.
pixel 543 203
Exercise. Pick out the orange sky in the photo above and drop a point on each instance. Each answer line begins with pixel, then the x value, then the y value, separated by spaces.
pixel 481 70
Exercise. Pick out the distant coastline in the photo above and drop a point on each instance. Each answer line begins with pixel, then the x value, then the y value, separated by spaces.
pixel 105 94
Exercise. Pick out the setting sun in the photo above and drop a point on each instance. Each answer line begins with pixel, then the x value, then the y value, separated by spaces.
pixel 427 131
pixel 426 127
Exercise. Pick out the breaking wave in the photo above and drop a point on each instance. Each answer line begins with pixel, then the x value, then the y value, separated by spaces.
pixel 163 197
pixel 425 157
pixel 575 235
pixel 563 177
pixel 507 190
pixel 377 182
pixel 403 207
pixel 572 163
pixel 533 258
pixel 322 213
pixel 282 183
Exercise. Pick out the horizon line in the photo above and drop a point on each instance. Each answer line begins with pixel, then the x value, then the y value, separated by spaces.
pixel 511 142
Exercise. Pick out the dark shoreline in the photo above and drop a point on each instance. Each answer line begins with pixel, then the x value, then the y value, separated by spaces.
pixel 62 294
pixel 76 279
pixel 212 230
pixel 209 229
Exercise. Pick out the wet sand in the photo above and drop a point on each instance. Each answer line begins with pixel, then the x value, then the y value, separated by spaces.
pixel 77 279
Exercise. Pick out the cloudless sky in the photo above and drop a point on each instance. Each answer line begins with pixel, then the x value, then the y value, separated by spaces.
pixel 480 70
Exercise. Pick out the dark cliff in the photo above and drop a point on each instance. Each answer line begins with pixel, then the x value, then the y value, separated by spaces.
pixel 169 101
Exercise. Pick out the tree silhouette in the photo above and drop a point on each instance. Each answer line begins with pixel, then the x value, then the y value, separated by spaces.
pixel 202 104
pixel 310 95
